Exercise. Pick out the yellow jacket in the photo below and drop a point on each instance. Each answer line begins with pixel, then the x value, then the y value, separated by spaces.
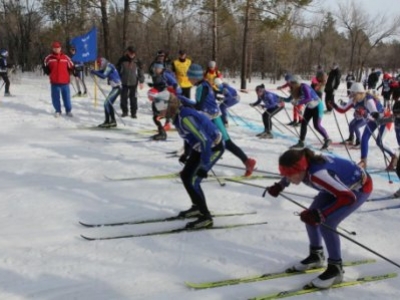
pixel 180 69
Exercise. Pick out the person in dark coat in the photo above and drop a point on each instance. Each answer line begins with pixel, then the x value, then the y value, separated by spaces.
pixel 130 70
pixel 373 79
pixel 332 85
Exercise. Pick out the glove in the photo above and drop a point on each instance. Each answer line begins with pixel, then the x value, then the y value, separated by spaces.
pixel 275 189
pixel 375 115
pixel 220 98
pixel 202 173
pixel 252 104
pixel 312 217
pixel 183 158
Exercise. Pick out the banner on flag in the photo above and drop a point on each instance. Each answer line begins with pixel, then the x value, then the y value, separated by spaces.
pixel 86 46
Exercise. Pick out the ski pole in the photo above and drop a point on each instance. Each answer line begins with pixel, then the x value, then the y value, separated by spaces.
pixel 341 135
pixel 270 115
pixel 216 177
pixel 380 146
pixel 349 238
pixel 286 197
pixel 105 96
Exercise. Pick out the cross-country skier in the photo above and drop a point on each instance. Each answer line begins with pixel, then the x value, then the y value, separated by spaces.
pixel 272 104
pixel 302 93
pixel 204 146
pixel 230 97
pixel 343 187
pixel 109 72
pixel 207 103
pixel 374 109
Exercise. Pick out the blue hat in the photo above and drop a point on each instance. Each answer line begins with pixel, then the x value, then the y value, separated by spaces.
pixel 195 72
pixel 158 66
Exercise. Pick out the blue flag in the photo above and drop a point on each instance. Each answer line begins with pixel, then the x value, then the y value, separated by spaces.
pixel 86 46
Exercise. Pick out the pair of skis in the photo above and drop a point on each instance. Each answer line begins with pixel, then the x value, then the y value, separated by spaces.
pixel 295 292
pixel 165 232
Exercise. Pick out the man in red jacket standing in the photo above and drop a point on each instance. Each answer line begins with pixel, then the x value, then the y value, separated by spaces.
pixel 58 66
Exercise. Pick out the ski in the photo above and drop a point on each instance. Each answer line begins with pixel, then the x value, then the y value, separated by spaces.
pixel 268 276
pixel 376 171
pixel 382 208
pixel 162 176
pixel 310 289
pixel 255 170
pixel 176 175
pixel 172 231
pixel 388 197
pixel 156 220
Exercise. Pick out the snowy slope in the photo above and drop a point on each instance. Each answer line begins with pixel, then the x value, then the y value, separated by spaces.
pixel 53 174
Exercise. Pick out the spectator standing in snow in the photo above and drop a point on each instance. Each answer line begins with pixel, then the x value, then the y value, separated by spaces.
pixel 132 76
pixel 180 67
pixel 332 85
pixel 58 66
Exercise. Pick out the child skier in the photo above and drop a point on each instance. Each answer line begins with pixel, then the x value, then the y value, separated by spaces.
pixel 343 187
pixel 302 93
pixel 109 72
pixel 272 104
pixel 230 97
pixel 207 103
pixel 374 109
pixel 204 145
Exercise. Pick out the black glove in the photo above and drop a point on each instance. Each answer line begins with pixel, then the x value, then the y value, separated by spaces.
pixel 220 98
pixel 274 190
pixel 252 104
pixel 375 115
pixel 201 173
pixel 183 158
pixel 312 217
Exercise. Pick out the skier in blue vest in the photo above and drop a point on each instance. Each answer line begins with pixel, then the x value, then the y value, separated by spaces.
pixel 204 146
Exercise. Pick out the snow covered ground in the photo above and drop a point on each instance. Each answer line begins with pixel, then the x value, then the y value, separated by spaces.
pixel 52 175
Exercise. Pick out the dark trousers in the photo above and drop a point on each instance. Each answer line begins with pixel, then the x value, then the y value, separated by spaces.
pixel 191 181
pixel 129 91
pixel 4 76
pixel 329 98
pixel 267 117
pixel 156 118
pixel 108 104
pixel 186 92
pixel 312 113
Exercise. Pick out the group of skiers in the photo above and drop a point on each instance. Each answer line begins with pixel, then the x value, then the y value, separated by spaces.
pixel 201 121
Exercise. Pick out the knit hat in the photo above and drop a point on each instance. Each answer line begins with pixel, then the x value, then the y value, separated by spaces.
pixel 158 66
pixel 161 100
pixel 195 72
pixel 260 88
pixel 56 45
pixel 212 64
pixel 131 49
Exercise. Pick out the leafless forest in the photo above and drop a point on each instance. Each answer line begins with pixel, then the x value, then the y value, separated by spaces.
pixel 246 37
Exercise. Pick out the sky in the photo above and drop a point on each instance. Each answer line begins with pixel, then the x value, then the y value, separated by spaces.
pixel 55 172
pixel 390 7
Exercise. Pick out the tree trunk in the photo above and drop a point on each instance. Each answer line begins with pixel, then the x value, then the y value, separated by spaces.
pixel 106 29
pixel 243 71
pixel 214 54
pixel 125 24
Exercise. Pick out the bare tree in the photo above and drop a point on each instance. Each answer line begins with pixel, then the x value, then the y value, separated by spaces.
pixel 364 32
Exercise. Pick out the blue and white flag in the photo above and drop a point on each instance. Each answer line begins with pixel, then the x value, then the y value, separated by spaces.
pixel 86 46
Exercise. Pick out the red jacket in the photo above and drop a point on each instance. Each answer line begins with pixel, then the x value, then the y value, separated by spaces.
pixel 59 67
